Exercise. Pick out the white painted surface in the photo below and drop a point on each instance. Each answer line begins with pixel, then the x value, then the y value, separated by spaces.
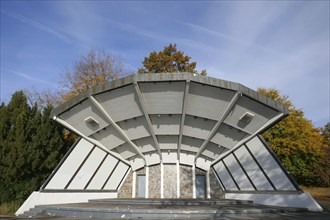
pixel 270 166
pixel 304 200
pixel 252 169
pixel 224 176
pixel 194 180
pixel 77 115
pixel 152 159
pixel 116 177
pixel 121 103
pixel 238 174
pixel 103 173
pixel 177 179
pixel 70 165
pixel 203 163
pixel 147 182
pixel 137 163
pixel 43 198
pixel 163 97
pixel 187 159
pixel 169 157
pixel 208 185
pixel 88 169
pixel 161 180
pixel 134 185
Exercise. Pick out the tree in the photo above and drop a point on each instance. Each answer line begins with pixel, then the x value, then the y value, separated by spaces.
pixel 325 131
pixel 169 60
pixel 31 145
pixel 298 144
pixel 89 71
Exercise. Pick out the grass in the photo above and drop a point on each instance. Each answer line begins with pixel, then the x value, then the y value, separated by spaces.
pixel 321 195
pixel 317 192
pixel 9 208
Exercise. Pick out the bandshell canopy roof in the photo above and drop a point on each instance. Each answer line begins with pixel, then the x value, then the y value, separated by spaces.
pixel 146 119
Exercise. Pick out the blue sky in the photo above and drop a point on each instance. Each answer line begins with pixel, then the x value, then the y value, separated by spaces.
pixel 271 44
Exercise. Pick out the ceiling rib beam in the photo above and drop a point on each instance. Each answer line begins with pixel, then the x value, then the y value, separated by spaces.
pixel 238 128
pixel 146 115
pixel 270 122
pixel 183 116
pixel 91 140
pixel 114 124
pixel 217 125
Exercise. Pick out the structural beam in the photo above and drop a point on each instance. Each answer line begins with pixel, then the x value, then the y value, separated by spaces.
pixel 270 122
pixel 184 108
pixel 114 124
pixel 146 115
pixel 217 125
pixel 91 140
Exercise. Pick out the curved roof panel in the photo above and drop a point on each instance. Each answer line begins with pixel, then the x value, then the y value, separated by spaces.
pixel 148 118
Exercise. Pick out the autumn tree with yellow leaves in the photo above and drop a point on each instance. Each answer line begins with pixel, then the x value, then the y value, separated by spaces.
pixel 169 60
pixel 299 145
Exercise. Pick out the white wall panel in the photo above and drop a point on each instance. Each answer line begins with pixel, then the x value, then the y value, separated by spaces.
pixel 116 177
pixel 228 136
pixel 109 137
pixel 88 169
pixel 261 113
pixel 207 101
pixel 152 159
pixel 163 97
pixel 270 166
pixel 252 169
pixel 203 163
pixel 169 157
pixel 197 127
pixel 146 144
pixel 187 158
pixel 191 144
pixel 168 141
pixel 224 176
pixel 103 173
pixel 126 151
pixel 135 128
pixel 70 165
pixel 121 103
pixel 77 115
pixel 137 163
pixel 213 150
pixel 238 174
pixel 166 124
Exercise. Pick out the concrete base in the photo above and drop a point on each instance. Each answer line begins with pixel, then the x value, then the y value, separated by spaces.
pixel 302 200
pixel 45 198
pixel 156 209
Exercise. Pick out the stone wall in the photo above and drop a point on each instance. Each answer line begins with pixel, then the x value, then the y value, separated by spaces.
pixel 125 190
pixel 154 181
pixel 186 184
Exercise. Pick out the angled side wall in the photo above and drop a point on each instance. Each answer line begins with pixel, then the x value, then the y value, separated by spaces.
pixel 253 167
pixel 89 168
pixel 253 172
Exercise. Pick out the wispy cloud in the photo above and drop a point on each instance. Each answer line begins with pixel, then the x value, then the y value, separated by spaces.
pixel 228 37
pixel 42 27
pixel 28 77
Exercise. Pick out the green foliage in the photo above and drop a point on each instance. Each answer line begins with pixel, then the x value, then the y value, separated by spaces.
pixel 31 145
pixel 168 61
pixel 298 144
